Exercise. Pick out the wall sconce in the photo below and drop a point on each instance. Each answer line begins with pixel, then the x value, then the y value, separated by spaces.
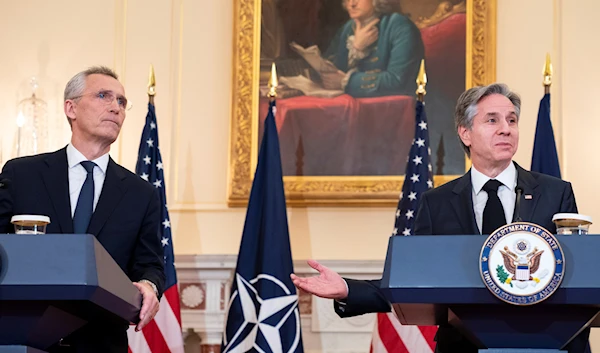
pixel 32 124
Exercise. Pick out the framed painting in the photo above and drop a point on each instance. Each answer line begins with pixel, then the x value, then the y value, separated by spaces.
pixel 346 99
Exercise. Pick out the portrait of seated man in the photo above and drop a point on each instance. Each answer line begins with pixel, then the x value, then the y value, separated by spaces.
pixel 377 52
pixel 347 71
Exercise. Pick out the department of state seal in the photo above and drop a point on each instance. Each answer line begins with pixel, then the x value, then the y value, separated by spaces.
pixel 522 263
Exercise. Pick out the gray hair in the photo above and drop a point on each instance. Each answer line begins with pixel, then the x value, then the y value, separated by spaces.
pixel 381 7
pixel 384 7
pixel 76 84
pixel 466 106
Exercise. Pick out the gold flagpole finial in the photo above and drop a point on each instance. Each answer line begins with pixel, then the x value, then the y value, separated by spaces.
pixel 421 82
pixel 547 73
pixel 273 83
pixel 151 85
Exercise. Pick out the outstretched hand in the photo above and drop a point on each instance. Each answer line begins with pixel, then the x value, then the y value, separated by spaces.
pixel 328 284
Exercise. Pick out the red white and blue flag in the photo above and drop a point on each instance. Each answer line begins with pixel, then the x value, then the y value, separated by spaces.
pixel 163 334
pixel 389 336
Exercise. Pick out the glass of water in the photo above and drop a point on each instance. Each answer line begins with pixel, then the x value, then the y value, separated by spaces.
pixel 572 223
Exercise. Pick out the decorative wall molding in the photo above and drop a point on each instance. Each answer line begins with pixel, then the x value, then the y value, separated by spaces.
pixel 204 287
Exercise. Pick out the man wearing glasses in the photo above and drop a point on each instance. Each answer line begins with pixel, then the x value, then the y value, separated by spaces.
pixel 83 190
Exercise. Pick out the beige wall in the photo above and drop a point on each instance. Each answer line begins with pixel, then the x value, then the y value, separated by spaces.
pixel 190 44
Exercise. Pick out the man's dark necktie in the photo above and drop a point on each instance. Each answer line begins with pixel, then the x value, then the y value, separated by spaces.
pixel 493 213
pixel 85 202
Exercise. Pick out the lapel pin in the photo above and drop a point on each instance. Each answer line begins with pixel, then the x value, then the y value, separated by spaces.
pixel 528 197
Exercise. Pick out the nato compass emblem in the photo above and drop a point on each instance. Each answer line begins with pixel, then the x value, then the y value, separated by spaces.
pixel 522 263
pixel 268 319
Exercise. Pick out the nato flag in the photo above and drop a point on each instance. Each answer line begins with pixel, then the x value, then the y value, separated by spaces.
pixel 263 313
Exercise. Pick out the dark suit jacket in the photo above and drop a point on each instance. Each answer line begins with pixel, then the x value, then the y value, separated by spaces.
pixel 125 222
pixel 448 210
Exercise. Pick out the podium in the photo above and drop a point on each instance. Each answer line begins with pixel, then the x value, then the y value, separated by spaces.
pixel 435 280
pixel 53 284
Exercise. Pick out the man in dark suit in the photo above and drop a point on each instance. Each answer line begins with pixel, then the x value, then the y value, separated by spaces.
pixel 479 202
pixel 83 190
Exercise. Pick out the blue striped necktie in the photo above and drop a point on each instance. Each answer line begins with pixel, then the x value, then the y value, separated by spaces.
pixel 85 202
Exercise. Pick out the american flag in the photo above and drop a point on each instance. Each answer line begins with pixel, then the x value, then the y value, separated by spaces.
pixel 163 334
pixel 389 336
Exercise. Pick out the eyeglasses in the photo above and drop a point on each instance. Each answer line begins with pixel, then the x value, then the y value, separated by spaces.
pixel 107 97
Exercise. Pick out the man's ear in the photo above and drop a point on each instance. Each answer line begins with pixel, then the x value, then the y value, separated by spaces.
pixel 70 108
pixel 465 135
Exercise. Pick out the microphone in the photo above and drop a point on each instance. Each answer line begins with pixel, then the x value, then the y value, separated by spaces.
pixel 517 216
pixel 5 183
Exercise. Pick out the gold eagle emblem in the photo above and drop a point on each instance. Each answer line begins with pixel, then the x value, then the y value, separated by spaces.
pixel 531 261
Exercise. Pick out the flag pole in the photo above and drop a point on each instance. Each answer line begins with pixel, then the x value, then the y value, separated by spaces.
pixel 421 82
pixel 273 83
pixel 418 178
pixel 547 74
pixel 151 85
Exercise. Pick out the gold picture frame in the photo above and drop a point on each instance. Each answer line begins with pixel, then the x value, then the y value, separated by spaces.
pixel 328 190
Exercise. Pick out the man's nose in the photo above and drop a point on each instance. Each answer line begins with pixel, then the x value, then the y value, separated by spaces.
pixel 114 106
pixel 504 128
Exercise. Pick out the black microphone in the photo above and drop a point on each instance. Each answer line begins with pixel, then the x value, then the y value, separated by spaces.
pixel 519 191
pixel 5 183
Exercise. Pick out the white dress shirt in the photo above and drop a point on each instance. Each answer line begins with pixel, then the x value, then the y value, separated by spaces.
pixel 77 175
pixel 506 192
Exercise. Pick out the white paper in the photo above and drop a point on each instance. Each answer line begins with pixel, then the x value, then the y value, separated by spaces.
pixel 313 57
pixel 309 87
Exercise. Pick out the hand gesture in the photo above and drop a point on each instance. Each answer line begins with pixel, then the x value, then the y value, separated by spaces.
pixel 332 80
pixel 150 304
pixel 365 35
pixel 328 284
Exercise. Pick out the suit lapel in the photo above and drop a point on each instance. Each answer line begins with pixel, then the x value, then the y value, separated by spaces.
pixel 112 193
pixel 56 181
pixel 462 202
pixel 530 197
